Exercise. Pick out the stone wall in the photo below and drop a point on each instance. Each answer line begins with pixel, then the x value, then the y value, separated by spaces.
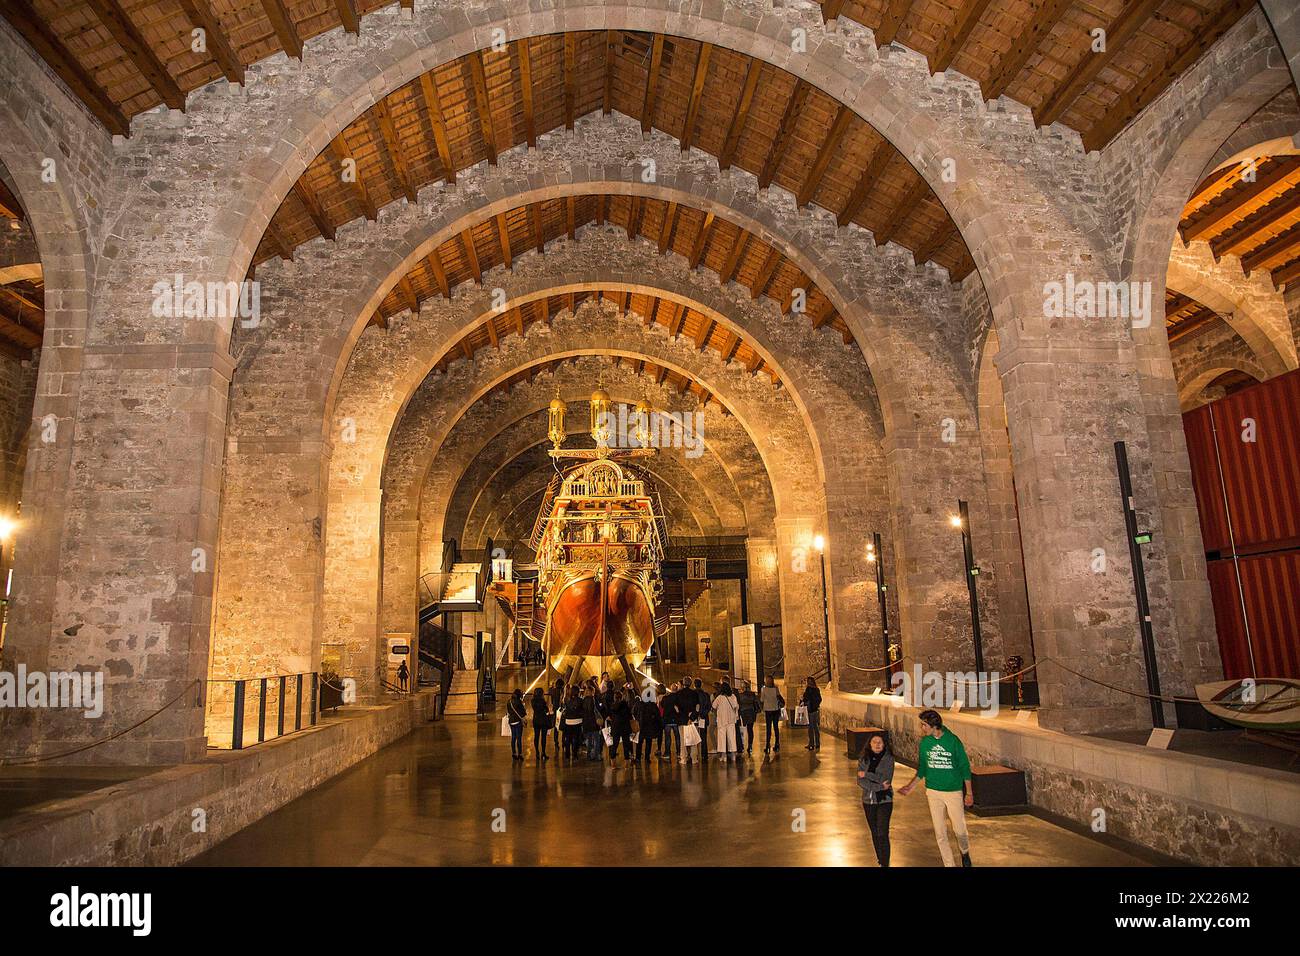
pixel 150 821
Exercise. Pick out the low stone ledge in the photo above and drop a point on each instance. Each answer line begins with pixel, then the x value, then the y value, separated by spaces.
pixel 151 821
pixel 1197 809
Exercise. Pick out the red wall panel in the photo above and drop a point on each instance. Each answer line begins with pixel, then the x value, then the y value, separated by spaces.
pixel 1260 480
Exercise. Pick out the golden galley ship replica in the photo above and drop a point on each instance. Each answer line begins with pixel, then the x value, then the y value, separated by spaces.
pixel 599 543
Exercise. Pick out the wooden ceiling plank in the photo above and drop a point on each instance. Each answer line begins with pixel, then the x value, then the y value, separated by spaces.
pixel 570 78
pixel 635 217
pixel 742 113
pixel 1240 200
pixel 1118 33
pixel 891 20
pixel 668 228
pixel 570 217
pixel 408 294
pixel 438 124
pixel 866 183
pixel 732 350
pixel 765 274
pixel 793 109
pixel 701 240
pixel 679 319
pixel 1277 251
pixel 201 16
pixel 347 11
pixel 1012 63
pixel 338 152
pixel 471 255
pixel 503 236
pixel 898 215
pixel 1246 233
pixel 652 83
pixel 607 102
pixel 393 148
pixel 1120 113
pixel 314 210
pixel 831 10
pixel 42 38
pixel 824 155
pixel 955 37
pixel 478 80
pixel 434 259
pixel 697 88
pixel 526 90
pixel 733 257
pixel 138 51
pixel 1286 274
pixel 705 334
pixel 535 226
pixel 934 243
pixel 282 23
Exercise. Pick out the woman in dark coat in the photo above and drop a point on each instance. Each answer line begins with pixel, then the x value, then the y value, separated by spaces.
pixel 515 714
pixel 651 729
pixel 621 727
pixel 543 721
pixel 876 778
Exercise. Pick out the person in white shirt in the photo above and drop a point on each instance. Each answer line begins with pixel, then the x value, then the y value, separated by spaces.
pixel 728 712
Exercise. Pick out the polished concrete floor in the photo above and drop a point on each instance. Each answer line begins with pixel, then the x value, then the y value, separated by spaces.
pixel 432 799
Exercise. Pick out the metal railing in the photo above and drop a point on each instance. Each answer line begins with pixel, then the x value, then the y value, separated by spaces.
pixel 244 713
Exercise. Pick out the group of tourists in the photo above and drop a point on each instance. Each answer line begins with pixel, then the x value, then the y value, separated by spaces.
pixel 944 768
pixel 686 719
pixel 596 718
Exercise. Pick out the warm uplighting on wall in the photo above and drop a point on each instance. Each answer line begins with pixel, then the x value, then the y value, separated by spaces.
pixel 955 521
pixel 871 552
pixel 819 543
pixel 7 527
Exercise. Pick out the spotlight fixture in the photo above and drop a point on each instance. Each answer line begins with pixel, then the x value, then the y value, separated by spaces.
pixel 955 521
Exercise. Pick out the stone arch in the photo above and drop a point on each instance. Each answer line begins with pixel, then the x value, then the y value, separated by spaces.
pixel 895 97
pixel 1211 369
pixel 1249 304
pixel 776 429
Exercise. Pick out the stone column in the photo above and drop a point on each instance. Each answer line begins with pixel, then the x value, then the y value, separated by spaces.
pixel 135 577
pixel 353 584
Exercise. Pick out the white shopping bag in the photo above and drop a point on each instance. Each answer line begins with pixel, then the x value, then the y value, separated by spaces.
pixel 690 736
pixel 505 726
pixel 608 735
pixel 785 716
pixel 742 738
pixel 801 716
pixel 636 737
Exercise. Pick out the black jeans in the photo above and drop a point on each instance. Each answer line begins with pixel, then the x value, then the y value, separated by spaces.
pixel 645 740
pixel 814 728
pixel 749 733
pixel 539 739
pixel 516 740
pixel 572 740
pixel 624 737
pixel 878 815
pixel 772 718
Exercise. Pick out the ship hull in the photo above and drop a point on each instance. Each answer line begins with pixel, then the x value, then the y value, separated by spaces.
pixel 575 636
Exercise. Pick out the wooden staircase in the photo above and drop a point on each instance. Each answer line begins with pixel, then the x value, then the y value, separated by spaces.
pixel 525 601
pixel 462 584
pixel 462 698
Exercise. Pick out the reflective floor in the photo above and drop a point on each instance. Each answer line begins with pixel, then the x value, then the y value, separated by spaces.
pixel 432 799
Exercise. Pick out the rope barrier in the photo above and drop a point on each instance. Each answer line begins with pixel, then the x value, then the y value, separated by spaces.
pixel 23 761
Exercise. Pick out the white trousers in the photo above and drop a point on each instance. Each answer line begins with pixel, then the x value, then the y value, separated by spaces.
pixel 949 803
pixel 726 739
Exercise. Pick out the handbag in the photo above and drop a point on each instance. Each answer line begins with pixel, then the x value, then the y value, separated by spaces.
pixel 784 716
pixel 505 726
pixel 801 716
pixel 636 737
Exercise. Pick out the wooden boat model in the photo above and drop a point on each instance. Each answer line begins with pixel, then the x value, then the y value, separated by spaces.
pixel 599 543
pixel 1267 703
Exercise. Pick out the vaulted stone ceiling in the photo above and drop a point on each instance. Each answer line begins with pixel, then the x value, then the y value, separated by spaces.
pixel 126 56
